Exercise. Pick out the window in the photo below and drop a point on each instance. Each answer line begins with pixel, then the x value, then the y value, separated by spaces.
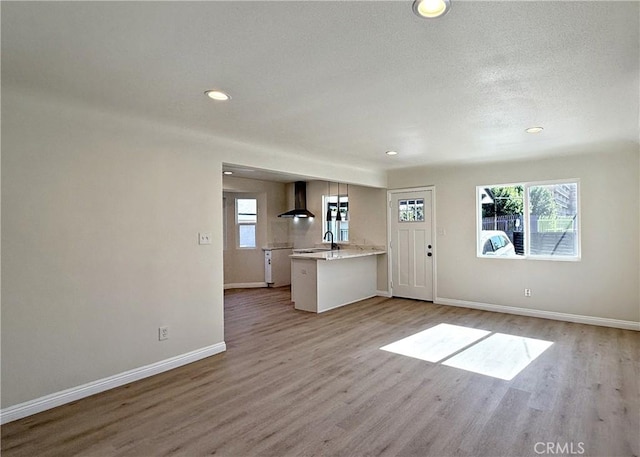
pixel 411 210
pixel 339 228
pixel 246 220
pixel 532 220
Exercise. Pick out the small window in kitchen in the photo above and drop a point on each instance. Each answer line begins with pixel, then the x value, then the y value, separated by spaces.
pixel 339 226
pixel 246 220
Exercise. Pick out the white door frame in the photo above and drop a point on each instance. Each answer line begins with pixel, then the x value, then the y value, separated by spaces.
pixel 433 235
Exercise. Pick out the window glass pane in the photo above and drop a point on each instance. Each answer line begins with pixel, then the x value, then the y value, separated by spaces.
pixel 502 210
pixel 411 210
pixel 247 236
pixel 419 210
pixel 403 215
pixel 340 229
pixel 553 219
pixel 247 210
pixel 331 226
pixel 343 231
pixel 247 205
pixel 551 223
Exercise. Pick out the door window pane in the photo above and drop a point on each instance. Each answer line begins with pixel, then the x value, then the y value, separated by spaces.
pixel 411 210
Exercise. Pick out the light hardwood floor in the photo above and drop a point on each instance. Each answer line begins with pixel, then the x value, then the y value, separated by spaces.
pixel 298 384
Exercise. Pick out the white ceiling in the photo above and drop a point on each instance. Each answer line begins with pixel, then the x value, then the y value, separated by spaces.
pixel 347 80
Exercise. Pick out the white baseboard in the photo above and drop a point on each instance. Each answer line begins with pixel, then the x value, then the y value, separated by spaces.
pixel 85 390
pixel 601 321
pixel 383 293
pixel 245 285
pixel 345 304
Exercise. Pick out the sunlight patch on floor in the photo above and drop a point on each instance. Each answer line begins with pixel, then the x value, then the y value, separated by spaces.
pixel 500 356
pixel 436 343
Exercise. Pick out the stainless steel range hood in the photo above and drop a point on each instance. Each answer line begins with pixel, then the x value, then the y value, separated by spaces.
pixel 300 202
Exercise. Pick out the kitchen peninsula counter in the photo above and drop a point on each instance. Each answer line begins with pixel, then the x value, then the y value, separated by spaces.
pixel 325 280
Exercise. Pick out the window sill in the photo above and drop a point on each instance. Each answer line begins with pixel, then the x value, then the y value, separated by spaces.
pixel 531 257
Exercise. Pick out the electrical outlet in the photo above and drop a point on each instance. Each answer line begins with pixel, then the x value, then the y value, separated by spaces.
pixel 527 292
pixel 163 333
pixel 204 238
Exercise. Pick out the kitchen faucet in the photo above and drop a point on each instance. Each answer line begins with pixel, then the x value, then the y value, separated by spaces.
pixel 326 237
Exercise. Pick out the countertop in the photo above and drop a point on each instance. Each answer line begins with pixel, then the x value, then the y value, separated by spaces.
pixel 338 254
pixel 275 248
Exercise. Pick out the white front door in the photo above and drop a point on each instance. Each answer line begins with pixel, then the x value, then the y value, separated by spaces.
pixel 411 243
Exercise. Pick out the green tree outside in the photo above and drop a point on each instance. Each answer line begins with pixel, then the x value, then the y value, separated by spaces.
pixel 507 200
pixel 542 203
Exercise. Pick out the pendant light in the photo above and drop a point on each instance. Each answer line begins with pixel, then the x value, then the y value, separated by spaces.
pixel 338 215
pixel 328 202
pixel 346 213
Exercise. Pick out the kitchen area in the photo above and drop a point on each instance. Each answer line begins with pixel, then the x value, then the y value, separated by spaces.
pixel 279 230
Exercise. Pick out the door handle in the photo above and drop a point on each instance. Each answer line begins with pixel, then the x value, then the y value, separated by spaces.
pixel 429 254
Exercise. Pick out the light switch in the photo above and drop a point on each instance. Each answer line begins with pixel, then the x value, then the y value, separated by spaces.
pixel 204 238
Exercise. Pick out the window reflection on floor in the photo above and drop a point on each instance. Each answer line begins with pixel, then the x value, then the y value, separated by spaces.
pixel 498 355
pixel 501 356
pixel 436 343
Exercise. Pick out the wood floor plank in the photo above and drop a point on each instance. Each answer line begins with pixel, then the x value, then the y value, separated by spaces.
pixel 299 384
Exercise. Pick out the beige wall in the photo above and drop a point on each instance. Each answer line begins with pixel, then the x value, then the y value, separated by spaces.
pixel 276 202
pixel 101 213
pixel 244 265
pixel 605 283
pixel 241 265
pixel 100 248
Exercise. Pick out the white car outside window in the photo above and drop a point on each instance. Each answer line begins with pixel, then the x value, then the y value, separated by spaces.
pixel 496 243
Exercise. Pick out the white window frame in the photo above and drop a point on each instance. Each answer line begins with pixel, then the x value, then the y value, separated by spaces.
pixel 240 224
pixel 325 200
pixel 225 217
pixel 526 221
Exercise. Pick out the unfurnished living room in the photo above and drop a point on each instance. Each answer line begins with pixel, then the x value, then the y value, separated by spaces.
pixel 329 228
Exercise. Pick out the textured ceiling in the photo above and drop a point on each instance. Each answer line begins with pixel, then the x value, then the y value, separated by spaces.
pixel 347 81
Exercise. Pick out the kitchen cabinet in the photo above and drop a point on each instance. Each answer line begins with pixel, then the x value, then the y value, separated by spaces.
pixel 321 281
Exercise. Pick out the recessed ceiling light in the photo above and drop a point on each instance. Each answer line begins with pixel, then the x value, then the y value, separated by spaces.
pixel 217 95
pixel 534 130
pixel 431 9
pixel 227 172
pixel 391 153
